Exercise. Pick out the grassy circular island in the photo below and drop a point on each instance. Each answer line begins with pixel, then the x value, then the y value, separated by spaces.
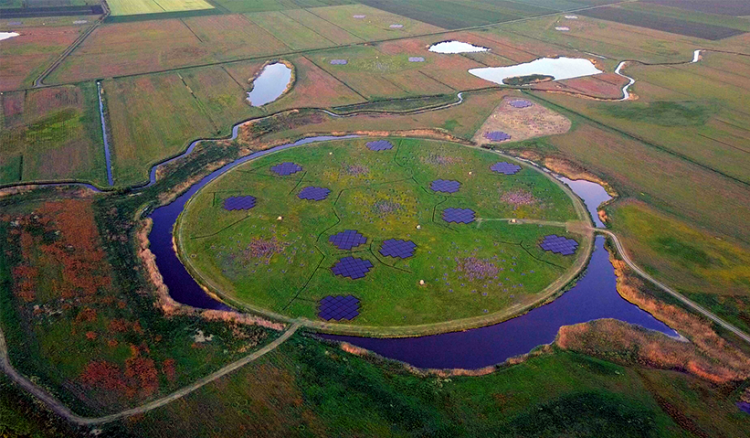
pixel 383 236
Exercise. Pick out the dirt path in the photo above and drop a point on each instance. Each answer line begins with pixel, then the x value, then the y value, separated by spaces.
pixel 685 300
pixel 58 408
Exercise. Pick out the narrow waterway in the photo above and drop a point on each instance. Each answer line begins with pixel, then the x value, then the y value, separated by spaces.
pixel 107 155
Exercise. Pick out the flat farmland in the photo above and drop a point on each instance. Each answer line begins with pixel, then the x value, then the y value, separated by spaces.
pixel 27 55
pixel 375 25
pixel 459 14
pixel 325 28
pixel 314 87
pixel 222 98
pixel 662 23
pixel 682 14
pixel 152 118
pixel 292 33
pixel 603 86
pixel 146 46
pixel 128 48
pixel 276 5
pixel 136 7
pixel 721 7
pixel 51 134
pixel 610 39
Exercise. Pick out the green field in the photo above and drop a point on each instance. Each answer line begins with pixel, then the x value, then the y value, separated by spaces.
pixel 51 134
pixel 383 195
pixel 137 7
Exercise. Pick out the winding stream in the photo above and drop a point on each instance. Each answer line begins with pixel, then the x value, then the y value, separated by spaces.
pixel 631 81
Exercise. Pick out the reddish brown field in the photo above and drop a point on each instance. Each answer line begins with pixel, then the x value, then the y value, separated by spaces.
pixel 601 86
pixel 31 52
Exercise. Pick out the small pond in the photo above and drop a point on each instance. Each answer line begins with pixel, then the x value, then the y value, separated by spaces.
pixel 7 35
pixel 593 196
pixel 558 68
pixel 270 84
pixel 456 47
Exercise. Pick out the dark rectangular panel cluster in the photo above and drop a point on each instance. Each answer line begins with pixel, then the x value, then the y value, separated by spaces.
pixel 416 59
pixel 286 168
pixel 445 186
pixel 520 103
pixel 338 307
pixel 314 193
pixel 459 215
pixel 497 136
pixel 352 267
pixel 379 145
pixel 339 62
pixel 559 245
pixel 347 239
pixel 239 203
pixel 505 168
pixel 402 249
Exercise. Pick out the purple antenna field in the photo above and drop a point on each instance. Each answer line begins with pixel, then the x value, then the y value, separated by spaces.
pixel 352 267
pixel 402 249
pixel 445 186
pixel 239 203
pixel 285 169
pixel 459 215
pixel 314 193
pixel 520 103
pixel 379 145
pixel 347 239
pixel 497 136
pixel 338 307
pixel 505 168
pixel 559 245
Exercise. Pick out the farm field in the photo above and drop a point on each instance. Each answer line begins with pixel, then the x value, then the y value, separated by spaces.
pixel 51 134
pixel 136 7
pixel 27 55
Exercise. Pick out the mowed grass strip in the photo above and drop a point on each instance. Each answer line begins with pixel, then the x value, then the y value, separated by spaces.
pixel 137 7
pixel 52 134
pixel 295 35
pixel 152 118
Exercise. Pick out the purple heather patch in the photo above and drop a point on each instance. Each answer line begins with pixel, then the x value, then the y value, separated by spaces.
pixel 356 170
pixel 386 207
pixel 477 269
pixel 263 249
pixel 518 198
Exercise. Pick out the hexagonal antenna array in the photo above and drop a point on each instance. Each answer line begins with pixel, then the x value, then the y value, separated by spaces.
pixel 314 193
pixel 396 26
pixel 359 16
pixel 459 215
pixel 520 103
pixel 445 186
pixel 338 307
pixel 416 59
pixel 497 136
pixel 285 169
pixel 559 245
pixel 352 267
pixel 379 145
pixel 339 62
pixel 347 239
pixel 239 203
pixel 402 249
pixel 505 168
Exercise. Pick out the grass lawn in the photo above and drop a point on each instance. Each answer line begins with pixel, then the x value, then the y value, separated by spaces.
pixel 135 7
pixel 469 269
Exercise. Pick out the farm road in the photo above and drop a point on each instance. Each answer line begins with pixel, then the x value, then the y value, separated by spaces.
pixel 57 407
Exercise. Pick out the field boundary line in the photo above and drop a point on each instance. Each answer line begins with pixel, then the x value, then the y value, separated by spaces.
pixel 323 49
pixel 682 298
pixel 63 411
